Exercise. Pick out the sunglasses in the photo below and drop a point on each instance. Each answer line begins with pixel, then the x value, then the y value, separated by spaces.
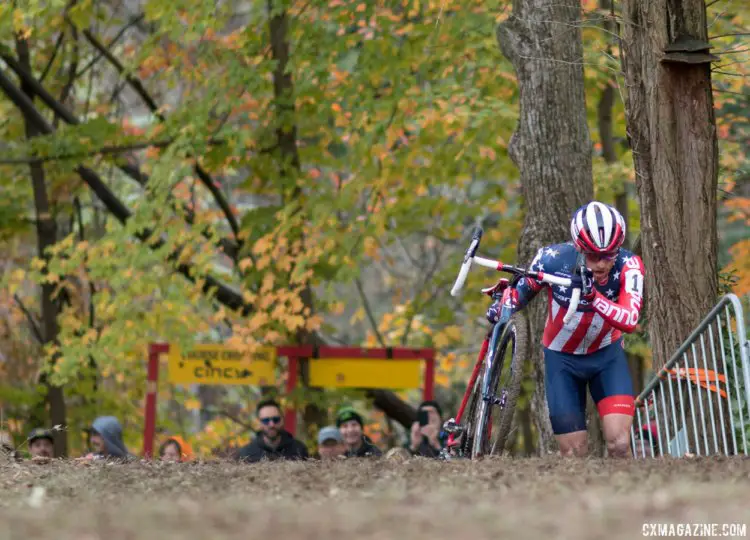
pixel 270 420
pixel 608 257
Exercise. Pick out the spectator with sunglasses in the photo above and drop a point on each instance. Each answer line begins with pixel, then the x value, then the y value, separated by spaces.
pixel 272 442
pixel 588 351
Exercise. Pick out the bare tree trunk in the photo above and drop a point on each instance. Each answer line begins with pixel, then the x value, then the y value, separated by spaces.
pixel 46 229
pixel 551 145
pixel 673 136
pixel 672 130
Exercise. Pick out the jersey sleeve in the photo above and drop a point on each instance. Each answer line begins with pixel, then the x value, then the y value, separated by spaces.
pixel 528 288
pixel 623 314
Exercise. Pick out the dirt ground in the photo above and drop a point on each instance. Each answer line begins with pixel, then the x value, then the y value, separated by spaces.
pixel 369 499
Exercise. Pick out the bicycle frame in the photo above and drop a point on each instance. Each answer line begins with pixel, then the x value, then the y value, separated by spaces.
pixel 509 302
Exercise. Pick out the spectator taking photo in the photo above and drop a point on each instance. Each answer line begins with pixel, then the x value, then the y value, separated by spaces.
pixel 427 438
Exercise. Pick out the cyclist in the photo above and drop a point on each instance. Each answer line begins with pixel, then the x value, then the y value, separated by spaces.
pixel 588 350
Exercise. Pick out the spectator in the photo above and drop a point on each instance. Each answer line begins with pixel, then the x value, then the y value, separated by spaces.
pixel 175 449
pixel 350 424
pixel 41 443
pixel 106 439
pixel 428 439
pixel 272 441
pixel 330 443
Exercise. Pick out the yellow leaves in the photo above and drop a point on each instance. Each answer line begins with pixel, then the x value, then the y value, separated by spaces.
pixel 487 153
pixel 37 264
pixel 192 404
pixel 448 335
pixel 313 323
pixel 358 316
pixel 371 247
pixel 361 7
pixel 336 308
pixel 267 284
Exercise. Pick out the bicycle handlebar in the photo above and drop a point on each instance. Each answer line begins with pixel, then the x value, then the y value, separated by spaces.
pixel 500 267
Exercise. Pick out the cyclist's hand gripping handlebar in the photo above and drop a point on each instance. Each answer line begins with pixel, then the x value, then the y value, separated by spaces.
pixel 470 257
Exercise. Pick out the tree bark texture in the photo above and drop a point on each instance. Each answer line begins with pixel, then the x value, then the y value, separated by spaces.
pixel 551 145
pixel 46 230
pixel 672 131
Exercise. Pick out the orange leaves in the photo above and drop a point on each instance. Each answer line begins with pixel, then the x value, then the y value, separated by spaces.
pixel 741 261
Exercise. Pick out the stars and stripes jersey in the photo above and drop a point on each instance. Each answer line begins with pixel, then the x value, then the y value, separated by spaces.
pixel 597 323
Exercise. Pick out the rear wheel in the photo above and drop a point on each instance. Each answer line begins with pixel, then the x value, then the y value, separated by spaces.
pixel 491 422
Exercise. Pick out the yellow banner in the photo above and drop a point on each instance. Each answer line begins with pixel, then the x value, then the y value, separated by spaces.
pixel 365 373
pixel 219 364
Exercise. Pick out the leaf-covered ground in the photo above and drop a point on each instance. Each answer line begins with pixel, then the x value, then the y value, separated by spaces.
pixel 369 499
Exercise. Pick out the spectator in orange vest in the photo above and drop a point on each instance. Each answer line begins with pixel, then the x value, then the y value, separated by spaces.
pixel 175 448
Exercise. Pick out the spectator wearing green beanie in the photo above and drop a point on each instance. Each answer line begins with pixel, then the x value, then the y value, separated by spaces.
pixel 350 424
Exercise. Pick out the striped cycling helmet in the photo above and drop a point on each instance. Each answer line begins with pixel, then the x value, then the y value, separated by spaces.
pixel 597 228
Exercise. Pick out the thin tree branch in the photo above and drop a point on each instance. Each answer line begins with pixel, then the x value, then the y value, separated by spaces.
pixel 138 87
pixel 740 75
pixel 134 21
pixel 234 419
pixel 224 294
pixel 729 35
pixel 368 311
pixel 418 309
pixel 65 92
pixel 116 149
pixel 52 58
pixel 30 318
pixel 230 247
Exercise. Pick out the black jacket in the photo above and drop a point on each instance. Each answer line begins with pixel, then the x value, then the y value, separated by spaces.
pixel 366 450
pixel 289 448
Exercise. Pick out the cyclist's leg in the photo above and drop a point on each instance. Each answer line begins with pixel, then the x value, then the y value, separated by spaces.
pixel 612 391
pixel 566 399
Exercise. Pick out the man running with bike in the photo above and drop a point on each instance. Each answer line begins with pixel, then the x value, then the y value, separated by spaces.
pixel 588 350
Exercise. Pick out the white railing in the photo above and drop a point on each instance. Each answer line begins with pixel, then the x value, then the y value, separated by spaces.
pixel 698 403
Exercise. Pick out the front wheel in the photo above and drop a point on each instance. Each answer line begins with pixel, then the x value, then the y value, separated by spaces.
pixel 492 414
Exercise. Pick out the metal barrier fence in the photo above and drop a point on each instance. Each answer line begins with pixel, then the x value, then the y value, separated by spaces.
pixel 697 404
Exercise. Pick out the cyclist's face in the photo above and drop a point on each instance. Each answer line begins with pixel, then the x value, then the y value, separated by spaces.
pixel 600 266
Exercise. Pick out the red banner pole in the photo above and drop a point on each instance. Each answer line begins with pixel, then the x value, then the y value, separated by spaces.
pixel 152 387
pixel 429 378
pixel 290 418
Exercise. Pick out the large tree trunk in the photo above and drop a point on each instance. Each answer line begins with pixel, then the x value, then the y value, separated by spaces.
pixel 46 229
pixel 551 146
pixel 609 153
pixel 672 132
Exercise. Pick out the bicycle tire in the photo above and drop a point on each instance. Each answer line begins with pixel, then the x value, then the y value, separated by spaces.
pixel 470 414
pixel 482 444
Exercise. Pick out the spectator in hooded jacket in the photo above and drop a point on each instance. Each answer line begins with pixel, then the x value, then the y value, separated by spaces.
pixel 351 427
pixel 272 442
pixel 106 439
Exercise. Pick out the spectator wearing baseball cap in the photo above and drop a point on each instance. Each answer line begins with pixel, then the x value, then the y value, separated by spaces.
pixel 330 443
pixel 41 443
pixel 350 424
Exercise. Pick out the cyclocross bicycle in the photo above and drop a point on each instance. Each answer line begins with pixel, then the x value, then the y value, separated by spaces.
pixel 490 388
